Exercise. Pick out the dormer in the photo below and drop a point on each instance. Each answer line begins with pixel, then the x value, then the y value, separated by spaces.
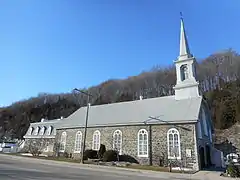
pixel 31 130
pixel 42 130
pixel 36 131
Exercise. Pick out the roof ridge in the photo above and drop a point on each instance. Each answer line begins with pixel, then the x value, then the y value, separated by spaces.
pixel 128 102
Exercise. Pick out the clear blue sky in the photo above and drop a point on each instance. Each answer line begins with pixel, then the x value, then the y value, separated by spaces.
pixel 56 45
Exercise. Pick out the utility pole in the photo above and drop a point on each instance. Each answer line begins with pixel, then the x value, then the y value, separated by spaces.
pixel 86 124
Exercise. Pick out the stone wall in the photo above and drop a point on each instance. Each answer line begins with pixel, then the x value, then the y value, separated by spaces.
pixel 158 144
pixel 228 140
pixel 187 138
pixel 41 144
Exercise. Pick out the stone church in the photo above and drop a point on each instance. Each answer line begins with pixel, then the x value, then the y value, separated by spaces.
pixel 177 127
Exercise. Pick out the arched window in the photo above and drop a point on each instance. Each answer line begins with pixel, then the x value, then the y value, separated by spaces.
pixel 210 134
pixel 78 142
pixel 117 141
pixel 174 149
pixel 204 120
pixel 42 130
pixel 31 131
pixel 36 131
pixel 49 130
pixel 184 72
pixel 96 140
pixel 199 129
pixel 142 143
pixel 63 141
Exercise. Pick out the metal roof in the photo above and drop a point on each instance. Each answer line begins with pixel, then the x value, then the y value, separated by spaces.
pixel 167 108
pixel 46 123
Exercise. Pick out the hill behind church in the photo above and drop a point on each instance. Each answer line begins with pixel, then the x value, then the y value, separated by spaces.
pixel 218 74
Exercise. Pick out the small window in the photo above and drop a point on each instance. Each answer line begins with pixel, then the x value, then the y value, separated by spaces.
pixel 174 150
pixel 143 143
pixel 42 131
pixel 96 140
pixel 78 142
pixel 63 141
pixel 117 141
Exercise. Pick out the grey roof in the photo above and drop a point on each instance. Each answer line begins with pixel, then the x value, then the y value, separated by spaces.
pixel 53 122
pixel 136 112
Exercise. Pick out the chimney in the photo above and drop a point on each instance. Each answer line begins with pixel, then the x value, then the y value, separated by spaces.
pixel 42 120
pixel 140 97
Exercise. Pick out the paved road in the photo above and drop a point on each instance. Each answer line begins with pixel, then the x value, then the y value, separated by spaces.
pixel 19 168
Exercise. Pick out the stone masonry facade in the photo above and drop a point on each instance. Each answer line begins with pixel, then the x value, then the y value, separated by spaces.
pixel 157 144
pixel 45 145
pixel 228 140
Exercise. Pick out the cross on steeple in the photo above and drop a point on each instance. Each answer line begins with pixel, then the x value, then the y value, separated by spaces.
pixel 181 15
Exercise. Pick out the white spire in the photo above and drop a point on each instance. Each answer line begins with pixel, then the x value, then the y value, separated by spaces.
pixel 186 84
pixel 184 48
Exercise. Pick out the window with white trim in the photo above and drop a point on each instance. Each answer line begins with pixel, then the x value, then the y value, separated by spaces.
pixel 63 141
pixel 78 142
pixel 210 134
pixel 117 141
pixel 199 129
pixel 204 120
pixel 143 143
pixel 96 140
pixel 174 149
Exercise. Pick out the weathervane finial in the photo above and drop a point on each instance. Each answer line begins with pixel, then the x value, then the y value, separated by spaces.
pixel 181 15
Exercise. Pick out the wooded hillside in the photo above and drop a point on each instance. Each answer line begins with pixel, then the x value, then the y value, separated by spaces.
pixel 219 76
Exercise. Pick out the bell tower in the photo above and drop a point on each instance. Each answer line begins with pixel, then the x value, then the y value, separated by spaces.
pixel 186 84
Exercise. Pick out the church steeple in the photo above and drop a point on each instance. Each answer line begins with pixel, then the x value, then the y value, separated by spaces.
pixel 186 85
pixel 184 48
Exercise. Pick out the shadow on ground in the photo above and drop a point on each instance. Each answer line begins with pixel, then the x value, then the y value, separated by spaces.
pixel 38 175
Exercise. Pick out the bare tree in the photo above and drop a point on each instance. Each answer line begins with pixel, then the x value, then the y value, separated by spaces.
pixel 37 146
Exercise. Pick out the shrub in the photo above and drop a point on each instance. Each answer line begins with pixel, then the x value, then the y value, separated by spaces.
pixel 110 155
pixel 101 151
pixel 128 158
pixel 66 155
pixel 90 154
pixel 34 151
pixel 233 170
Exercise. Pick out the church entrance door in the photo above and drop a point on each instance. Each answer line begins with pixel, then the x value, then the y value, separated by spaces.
pixel 208 155
pixel 202 158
